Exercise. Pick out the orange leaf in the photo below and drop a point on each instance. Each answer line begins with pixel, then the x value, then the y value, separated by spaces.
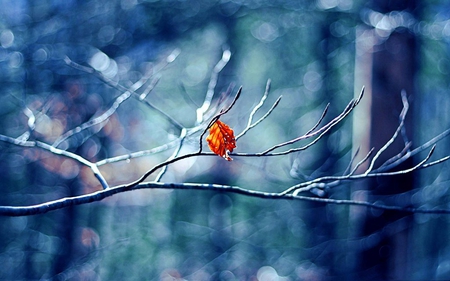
pixel 221 139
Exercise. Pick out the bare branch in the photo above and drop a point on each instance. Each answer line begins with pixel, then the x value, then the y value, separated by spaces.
pixel 108 113
pixel 320 132
pixel 226 55
pixel 207 114
pixel 307 135
pixel 362 161
pixel 255 109
pixel 142 153
pixel 189 133
pixel 405 150
pixel 61 152
pixel 149 88
pixel 275 104
pixel 233 102
pixel 421 148
pixel 98 120
pixel 102 194
pixel 174 155
pixel 394 136
pixel 324 181
pixel 121 88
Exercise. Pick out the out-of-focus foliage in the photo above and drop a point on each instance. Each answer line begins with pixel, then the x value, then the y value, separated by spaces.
pixel 307 49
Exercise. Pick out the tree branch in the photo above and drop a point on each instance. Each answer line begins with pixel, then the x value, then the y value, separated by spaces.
pixel 102 194
pixel 207 112
pixel 58 151
pixel 121 88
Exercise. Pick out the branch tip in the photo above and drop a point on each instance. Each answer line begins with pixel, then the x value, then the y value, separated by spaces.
pixel 268 85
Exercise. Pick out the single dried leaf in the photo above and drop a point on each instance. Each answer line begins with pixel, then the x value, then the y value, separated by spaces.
pixel 221 139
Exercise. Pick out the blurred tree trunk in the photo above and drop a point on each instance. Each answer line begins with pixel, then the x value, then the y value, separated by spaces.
pixel 386 64
pixel 317 217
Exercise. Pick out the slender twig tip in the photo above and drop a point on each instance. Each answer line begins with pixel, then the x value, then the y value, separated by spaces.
pixel 360 95
pixel 226 55
pixel 268 84
pixel 432 150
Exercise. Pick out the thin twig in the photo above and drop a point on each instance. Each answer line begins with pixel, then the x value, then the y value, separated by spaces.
pixel 142 153
pixel 405 150
pixel 233 102
pixel 98 120
pixel 361 161
pixel 271 109
pixel 149 88
pixel 226 55
pixel 174 143
pixel 320 132
pixel 174 154
pixel 306 186
pixel 121 88
pixel 307 135
pixel 421 148
pixel 256 108
pixel 394 136
pixel 108 113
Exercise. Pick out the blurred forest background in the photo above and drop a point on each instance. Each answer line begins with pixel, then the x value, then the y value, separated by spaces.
pixel 314 52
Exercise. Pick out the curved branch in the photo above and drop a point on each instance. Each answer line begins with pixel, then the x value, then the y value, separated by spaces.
pixel 102 194
pixel 61 152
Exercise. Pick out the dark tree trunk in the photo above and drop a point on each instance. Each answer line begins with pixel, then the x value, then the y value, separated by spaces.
pixel 386 65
